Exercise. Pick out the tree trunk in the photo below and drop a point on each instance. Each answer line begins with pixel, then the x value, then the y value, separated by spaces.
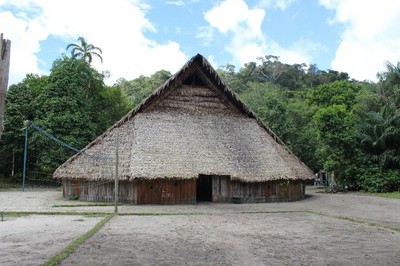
pixel 5 46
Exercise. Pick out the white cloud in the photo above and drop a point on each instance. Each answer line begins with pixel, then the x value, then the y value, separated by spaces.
pixel 24 39
pixel 233 15
pixel 282 4
pixel 247 42
pixel 370 38
pixel 117 27
pixel 205 35
pixel 176 2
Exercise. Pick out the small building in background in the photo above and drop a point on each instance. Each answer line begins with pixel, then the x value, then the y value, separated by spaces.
pixel 192 140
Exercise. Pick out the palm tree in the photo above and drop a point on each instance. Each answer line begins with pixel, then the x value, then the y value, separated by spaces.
pixel 84 50
pixel 381 137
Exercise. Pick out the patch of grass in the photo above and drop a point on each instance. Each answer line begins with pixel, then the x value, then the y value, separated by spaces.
pixel 354 220
pixel 7 185
pixel 73 246
pixel 4 215
pixel 87 214
pixel 15 214
pixel 390 195
pixel 83 205
pixel 277 211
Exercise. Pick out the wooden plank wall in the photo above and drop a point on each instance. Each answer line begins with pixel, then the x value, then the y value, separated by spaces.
pixel 267 191
pixel 100 191
pixel 170 191
pixel 221 189
pixel 166 191
pixel 127 191
pixel 71 187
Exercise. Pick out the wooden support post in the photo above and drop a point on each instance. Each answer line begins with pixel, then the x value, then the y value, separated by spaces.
pixel 116 174
pixel 5 46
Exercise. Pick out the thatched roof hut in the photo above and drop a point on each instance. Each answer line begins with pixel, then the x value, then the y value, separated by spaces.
pixel 192 125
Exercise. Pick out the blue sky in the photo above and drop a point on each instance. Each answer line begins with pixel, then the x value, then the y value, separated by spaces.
pixel 139 37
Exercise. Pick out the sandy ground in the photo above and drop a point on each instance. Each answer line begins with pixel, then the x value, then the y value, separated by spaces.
pixel 233 239
pixel 33 239
pixel 324 229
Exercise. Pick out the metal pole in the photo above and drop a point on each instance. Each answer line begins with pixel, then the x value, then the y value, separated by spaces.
pixel 25 158
pixel 116 175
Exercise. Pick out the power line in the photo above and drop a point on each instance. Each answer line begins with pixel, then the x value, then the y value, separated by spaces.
pixel 65 144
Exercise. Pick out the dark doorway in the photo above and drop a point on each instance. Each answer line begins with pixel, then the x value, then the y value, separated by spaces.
pixel 204 188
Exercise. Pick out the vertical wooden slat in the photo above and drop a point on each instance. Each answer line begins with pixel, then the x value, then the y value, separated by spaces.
pixel 183 191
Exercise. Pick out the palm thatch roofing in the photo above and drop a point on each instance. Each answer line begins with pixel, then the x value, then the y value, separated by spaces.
pixel 193 124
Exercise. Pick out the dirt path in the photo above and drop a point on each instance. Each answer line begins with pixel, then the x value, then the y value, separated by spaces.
pixel 324 229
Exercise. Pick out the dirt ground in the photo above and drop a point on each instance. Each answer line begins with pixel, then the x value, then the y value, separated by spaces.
pixel 33 239
pixel 324 229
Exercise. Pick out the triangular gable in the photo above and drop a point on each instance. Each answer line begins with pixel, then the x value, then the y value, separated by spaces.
pixel 208 74
pixel 196 68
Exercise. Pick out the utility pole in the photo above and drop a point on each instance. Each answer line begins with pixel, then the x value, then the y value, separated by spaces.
pixel 116 173
pixel 5 46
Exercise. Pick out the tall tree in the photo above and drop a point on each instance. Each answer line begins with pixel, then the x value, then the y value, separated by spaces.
pixel 19 108
pixel 381 138
pixel 389 85
pixel 65 110
pixel 336 126
pixel 62 105
pixel 380 134
pixel 85 50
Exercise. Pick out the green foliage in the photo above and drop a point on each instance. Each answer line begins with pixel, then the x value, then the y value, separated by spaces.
pixel 389 195
pixel 5 183
pixel 115 104
pixel 336 125
pixel 389 85
pixel 72 103
pixel 18 108
pixel 373 179
pixel 335 93
pixel 140 88
pixel 381 135
pixel 367 100
pixel 285 75
pixel 84 50
pixel 67 105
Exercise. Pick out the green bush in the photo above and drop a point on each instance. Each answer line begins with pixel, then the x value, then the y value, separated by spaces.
pixel 374 180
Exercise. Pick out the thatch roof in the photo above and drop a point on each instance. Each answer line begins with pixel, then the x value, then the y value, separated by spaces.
pixel 193 124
